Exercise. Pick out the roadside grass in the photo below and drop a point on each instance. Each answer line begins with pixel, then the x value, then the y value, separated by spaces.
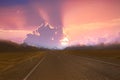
pixel 10 59
pixel 111 55
pixel 96 53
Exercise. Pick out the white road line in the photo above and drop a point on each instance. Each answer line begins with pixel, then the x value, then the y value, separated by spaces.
pixel 34 68
pixel 100 61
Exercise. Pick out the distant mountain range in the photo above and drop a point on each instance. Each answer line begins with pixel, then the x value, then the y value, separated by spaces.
pixel 8 46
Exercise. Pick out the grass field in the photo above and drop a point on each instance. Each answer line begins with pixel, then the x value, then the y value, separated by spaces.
pixel 111 55
pixel 12 54
pixel 19 60
pixel 10 59
pixel 18 63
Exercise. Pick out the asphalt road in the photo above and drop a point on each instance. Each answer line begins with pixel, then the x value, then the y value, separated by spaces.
pixel 56 66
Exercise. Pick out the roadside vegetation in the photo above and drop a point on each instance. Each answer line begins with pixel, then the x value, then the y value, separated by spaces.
pixel 17 59
pixel 20 59
pixel 107 53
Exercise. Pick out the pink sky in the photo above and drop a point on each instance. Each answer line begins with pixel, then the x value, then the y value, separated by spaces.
pixel 84 20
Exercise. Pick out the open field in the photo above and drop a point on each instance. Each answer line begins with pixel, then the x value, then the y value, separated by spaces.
pixel 60 65
pixel 12 54
pixel 17 64
pixel 110 55
pixel 8 59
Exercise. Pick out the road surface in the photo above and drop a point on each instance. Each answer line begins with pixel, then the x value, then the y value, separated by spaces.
pixel 56 66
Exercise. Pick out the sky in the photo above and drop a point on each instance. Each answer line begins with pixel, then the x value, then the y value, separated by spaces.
pixel 84 22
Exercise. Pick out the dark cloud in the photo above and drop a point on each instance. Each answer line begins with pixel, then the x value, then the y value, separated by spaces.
pixel 48 37
pixel 53 8
pixel 45 36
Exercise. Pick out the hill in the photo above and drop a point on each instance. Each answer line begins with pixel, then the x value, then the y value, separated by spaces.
pixel 8 46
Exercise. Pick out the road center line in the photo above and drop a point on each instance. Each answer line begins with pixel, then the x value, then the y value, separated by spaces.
pixel 34 68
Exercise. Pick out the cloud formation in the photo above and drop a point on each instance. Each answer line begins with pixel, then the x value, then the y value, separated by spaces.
pixel 83 21
pixel 94 33
pixel 45 36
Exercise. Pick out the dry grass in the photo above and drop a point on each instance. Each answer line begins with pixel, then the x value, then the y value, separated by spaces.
pixel 97 53
pixel 112 55
pixel 10 59
pixel 12 54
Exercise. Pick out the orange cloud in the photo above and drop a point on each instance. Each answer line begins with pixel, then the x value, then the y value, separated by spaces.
pixel 93 31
